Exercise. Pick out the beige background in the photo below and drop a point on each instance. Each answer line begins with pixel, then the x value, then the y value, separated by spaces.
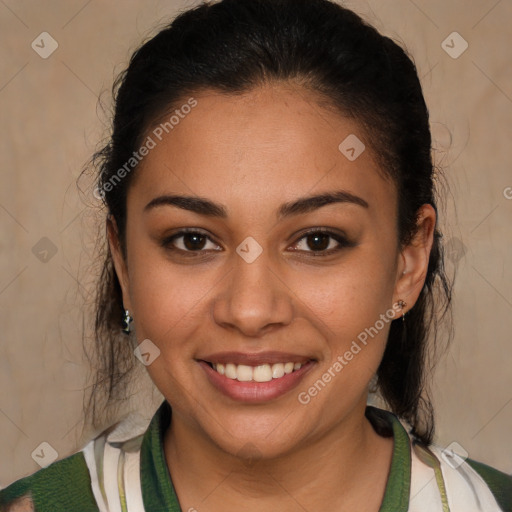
pixel 50 126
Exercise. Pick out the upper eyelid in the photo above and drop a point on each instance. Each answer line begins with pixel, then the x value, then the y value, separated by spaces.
pixel 340 238
pixel 182 232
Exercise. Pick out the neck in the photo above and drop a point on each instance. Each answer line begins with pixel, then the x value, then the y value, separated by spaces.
pixel 343 465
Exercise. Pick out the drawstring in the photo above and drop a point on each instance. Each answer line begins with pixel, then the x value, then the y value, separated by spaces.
pixel 427 457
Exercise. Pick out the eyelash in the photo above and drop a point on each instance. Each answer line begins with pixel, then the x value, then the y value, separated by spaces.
pixel 342 241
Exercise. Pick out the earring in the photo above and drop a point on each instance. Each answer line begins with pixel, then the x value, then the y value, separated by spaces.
pixel 373 385
pixel 401 305
pixel 126 322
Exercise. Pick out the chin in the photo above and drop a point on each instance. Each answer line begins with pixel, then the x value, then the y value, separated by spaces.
pixel 252 442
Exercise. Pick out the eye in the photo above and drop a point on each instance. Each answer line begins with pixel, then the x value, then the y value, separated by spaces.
pixel 322 241
pixel 189 241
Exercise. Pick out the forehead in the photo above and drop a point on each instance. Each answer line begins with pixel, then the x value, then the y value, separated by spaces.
pixel 269 145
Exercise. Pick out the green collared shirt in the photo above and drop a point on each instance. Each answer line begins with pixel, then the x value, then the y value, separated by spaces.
pixel 419 478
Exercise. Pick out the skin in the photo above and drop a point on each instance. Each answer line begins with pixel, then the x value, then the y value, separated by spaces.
pixel 251 153
pixel 23 504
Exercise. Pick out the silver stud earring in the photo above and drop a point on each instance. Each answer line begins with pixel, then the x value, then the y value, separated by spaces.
pixel 126 322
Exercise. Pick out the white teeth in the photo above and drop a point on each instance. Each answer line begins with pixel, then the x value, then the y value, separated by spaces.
pixel 230 371
pixel 243 373
pixel 261 373
pixel 277 370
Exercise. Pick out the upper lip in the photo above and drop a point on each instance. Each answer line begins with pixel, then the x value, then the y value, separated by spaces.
pixel 254 359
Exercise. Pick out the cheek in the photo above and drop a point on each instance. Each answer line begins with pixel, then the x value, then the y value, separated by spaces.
pixel 167 298
pixel 355 291
pixel 168 311
pixel 353 308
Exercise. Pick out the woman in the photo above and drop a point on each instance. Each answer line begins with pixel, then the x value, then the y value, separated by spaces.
pixel 273 254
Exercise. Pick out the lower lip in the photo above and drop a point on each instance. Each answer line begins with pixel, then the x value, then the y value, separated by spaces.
pixel 255 391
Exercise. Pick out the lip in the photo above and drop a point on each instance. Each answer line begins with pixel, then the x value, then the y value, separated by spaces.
pixel 256 392
pixel 254 359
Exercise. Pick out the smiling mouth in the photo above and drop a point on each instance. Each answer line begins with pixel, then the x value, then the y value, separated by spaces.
pixel 259 373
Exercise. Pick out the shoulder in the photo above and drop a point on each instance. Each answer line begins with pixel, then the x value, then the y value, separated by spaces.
pixel 468 484
pixel 103 472
pixel 499 483
pixel 440 479
pixel 62 486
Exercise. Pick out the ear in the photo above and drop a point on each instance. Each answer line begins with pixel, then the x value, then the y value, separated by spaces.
pixel 414 258
pixel 120 265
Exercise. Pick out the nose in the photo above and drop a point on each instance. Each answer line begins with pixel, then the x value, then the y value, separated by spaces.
pixel 253 298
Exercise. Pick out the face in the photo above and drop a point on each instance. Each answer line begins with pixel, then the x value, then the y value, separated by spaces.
pixel 264 276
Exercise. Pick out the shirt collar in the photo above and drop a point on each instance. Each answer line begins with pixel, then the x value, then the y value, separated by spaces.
pixel 158 492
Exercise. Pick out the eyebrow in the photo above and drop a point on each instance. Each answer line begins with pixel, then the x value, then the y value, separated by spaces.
pixel 303 205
